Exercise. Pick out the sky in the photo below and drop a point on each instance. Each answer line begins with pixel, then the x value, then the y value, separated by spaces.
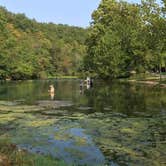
pixel 71 12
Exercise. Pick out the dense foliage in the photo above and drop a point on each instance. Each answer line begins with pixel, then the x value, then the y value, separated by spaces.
pixel 126 37
pixel 29 49
pixel 123 38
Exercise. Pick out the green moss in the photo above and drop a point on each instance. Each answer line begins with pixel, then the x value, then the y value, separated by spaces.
pixel 40 122
pixel 128 130
pixel 134 140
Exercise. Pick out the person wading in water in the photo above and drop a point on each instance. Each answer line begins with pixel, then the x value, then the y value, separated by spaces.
pixel 51 91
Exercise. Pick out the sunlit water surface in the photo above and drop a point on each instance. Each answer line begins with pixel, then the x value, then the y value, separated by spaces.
pixel 111 123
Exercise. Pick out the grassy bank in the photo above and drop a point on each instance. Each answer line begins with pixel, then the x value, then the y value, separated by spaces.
pixel 149 79
pixel 63 77
pixel 49 77
pixel 11 155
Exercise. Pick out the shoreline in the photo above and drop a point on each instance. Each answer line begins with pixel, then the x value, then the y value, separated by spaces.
pixel 148 82
pixel 56 77
pixel 147 79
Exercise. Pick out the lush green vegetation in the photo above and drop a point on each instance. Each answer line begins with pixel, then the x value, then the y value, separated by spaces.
pixel 123 38
pixel 127 37
pixel 29 49
pixel 11 155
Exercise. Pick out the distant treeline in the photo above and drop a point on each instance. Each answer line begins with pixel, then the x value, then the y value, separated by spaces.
pixel 125 38
pixel 29 49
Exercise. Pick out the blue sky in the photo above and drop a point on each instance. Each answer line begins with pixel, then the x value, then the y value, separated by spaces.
pixel 71 12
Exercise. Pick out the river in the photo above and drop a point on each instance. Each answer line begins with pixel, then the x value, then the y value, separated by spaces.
pixel 111 123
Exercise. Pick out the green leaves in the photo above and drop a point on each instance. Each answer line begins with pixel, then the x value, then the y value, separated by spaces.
pixel 125 37
pixel 30 50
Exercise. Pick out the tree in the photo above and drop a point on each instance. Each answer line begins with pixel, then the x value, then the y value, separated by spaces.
pixel 125 37
pixel 154 19
pixel 110 45
pixel 29 49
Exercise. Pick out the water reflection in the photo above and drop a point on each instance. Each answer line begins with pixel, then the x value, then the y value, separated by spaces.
pixel 52 96
pixel 118 123
pixel 67 141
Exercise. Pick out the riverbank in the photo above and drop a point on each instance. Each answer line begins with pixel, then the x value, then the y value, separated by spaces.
pixel 63 77
pixel 49 77
pixel 11 155
pixel 147 79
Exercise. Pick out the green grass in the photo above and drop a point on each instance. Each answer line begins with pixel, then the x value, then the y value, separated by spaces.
pixel 64 77
pixel 10 155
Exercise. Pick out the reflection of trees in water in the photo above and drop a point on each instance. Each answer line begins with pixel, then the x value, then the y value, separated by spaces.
pixel 36 90
pixel 117 97
pixel 125 98
pixel 67 89
pixel 28 90
pixel 138 138
pixel 110 96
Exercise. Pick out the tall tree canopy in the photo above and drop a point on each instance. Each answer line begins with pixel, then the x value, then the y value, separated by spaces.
pixel 124 37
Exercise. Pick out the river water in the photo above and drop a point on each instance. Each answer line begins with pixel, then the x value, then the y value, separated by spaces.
pixel 111 123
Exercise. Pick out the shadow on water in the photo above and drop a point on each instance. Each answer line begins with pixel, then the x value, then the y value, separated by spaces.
pixel 113 123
